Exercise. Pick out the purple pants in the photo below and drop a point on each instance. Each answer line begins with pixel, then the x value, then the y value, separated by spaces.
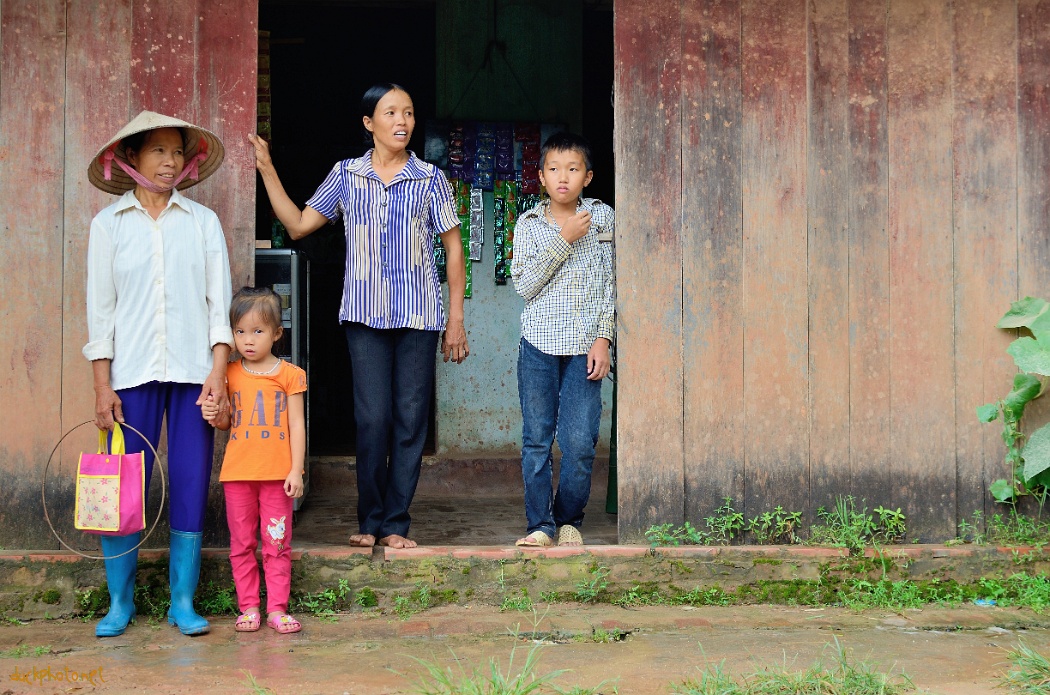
pixel 191 443
pixel 251 504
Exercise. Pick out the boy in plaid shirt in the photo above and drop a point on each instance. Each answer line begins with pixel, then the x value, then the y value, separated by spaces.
pixel 563 267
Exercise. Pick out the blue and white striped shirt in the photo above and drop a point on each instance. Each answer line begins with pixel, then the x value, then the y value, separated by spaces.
pixel 569 289
pixel 391 277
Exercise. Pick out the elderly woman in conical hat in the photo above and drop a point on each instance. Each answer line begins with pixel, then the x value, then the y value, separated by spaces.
pixel 159 338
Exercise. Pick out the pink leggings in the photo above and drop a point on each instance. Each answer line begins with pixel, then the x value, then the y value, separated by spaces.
pixel 249 503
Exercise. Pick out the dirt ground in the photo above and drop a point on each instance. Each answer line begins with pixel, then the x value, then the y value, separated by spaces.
pixel 957 651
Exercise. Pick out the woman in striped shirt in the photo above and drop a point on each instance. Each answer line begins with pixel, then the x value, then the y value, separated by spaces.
pixel 393 206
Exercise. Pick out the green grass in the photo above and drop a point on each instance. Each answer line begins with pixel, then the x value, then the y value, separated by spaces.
pixel 493 679
pixel 24 650
pixel 843 676
pixel 1031 673
pixel 519 602
pixel 254 687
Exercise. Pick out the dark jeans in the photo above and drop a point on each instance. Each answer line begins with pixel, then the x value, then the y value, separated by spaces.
pixel 556 398
pixel 393 381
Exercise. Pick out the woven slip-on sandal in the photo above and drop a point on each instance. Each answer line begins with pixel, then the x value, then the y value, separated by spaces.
pixel 569 535
pixel 248 622
pixel 536 539
pixel 284 624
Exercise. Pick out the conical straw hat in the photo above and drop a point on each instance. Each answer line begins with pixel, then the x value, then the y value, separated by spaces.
pixel 119 182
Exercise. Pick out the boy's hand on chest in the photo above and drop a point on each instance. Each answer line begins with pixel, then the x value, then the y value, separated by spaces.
pixel 577 226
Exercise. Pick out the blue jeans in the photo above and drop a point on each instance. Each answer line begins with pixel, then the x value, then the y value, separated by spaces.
pixel 557 398
pixel 393 382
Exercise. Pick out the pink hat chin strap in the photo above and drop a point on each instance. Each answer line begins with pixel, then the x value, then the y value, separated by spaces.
pixel 191 169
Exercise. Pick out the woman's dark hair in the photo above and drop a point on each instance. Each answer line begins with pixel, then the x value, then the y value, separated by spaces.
pixel 261 299
pixel 370 101
pixel 135 141
pixel 565 141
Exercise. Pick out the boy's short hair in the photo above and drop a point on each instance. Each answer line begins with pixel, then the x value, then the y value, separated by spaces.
pixel 564 141
pixel 261 299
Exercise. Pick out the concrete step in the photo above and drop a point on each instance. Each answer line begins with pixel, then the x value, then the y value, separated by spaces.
pixel 39 584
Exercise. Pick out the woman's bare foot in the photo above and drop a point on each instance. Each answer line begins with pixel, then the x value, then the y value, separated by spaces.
pixel 396 541
pixel 362 540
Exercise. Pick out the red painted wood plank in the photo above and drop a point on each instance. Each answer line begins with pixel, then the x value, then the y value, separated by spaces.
pixel 712 257
pixel 226 67
pixel 32 41
pixel 1033 164
pixel 984 144
pixel 164 45
pixel 776 350
pixel 827 186
pixel 98 46
pixel 869 268
pixel 649 264
pixel 922 382
pixel 97 58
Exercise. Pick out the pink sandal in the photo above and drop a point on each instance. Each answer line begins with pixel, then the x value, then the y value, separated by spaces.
pixel 284 624
pixel 248 622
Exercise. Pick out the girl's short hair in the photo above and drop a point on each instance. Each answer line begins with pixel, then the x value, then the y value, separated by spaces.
pixel 260 299
pixel 370 101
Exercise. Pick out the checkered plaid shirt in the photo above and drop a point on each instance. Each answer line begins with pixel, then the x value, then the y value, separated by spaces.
pixel 569 289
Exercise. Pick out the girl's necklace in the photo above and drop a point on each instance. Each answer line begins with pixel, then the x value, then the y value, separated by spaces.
pixel 266 373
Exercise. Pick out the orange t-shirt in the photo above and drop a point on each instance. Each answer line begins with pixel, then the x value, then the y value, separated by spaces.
pixel 260 446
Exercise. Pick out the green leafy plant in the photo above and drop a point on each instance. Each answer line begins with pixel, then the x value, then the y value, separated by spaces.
pixel 777 526
pixel 589 590
pixel 1027 457
pixel 422 595
pixel 325 603
pixel 365 597
pixel 846 526
pixel 403 607
pixel 521 602
pixel 668 534
pixel 217 600
pixel 725 524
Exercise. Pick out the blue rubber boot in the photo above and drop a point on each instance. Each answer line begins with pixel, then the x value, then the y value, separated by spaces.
pixel 184 571
pixel 120 577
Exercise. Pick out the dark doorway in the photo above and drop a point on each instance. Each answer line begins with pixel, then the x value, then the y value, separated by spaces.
pixel 323 56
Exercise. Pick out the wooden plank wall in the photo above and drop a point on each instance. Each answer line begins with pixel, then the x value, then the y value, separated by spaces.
pixel 815 247
pixel 648 138
pixel 72 73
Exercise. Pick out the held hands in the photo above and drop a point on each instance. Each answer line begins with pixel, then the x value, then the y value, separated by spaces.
pixel 210 410
pixel 454 342
pixel 576 226
pixel 598 360
pixel 214 389
pixel 293 484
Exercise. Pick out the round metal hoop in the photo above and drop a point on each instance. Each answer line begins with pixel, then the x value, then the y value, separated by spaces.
pixel 160 510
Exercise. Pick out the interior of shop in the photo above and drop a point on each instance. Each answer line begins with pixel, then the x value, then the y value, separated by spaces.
pixel 317 57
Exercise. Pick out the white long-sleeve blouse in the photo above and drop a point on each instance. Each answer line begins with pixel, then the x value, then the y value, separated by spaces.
pixel 158 291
